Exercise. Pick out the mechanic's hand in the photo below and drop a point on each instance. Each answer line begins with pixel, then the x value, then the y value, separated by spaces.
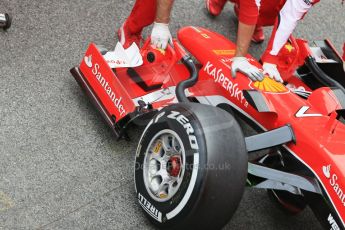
pixel 160 36
pixel 241 64
pixel 272 71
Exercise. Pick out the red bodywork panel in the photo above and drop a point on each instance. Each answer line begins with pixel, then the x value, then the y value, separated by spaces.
pixel 320 136
pixel 117 91
pixel 102 79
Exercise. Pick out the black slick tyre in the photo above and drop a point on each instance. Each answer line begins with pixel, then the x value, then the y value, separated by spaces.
pixel 191 167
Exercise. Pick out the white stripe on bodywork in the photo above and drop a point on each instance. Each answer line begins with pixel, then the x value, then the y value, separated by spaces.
pixel 159 95
pixel 302 113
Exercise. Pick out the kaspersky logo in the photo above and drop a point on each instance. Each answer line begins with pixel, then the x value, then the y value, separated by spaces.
pixel 333 181
pixel 116 99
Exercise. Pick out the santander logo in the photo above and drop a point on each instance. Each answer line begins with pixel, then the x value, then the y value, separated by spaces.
pixel 116 99
pixel 333 181
pixel 327 171
pixel 88 61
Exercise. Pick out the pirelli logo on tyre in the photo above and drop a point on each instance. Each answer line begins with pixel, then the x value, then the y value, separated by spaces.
pixel 149 208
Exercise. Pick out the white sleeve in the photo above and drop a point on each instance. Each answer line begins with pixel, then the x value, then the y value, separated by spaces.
pixel 290 14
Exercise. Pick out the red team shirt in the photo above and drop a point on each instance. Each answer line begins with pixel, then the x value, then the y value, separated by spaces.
pixel 284 14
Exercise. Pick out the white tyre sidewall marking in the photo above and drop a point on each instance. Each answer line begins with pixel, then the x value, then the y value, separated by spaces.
pixel 192 182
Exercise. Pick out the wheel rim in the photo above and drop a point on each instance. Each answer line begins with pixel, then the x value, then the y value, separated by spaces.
pixel 164 165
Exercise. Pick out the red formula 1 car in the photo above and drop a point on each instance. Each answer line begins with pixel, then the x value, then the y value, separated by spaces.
pixel 191 164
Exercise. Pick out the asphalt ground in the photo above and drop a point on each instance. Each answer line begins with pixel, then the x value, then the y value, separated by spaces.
pixel 60 167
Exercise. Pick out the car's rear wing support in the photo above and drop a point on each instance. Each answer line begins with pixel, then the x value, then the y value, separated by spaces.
pixel 270 138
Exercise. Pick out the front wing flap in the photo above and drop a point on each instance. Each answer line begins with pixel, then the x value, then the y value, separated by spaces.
pixel 104 89
pixel 103 81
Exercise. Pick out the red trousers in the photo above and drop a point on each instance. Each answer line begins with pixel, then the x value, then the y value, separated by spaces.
pixel 248 13
pixel 142 15
pixel 144 11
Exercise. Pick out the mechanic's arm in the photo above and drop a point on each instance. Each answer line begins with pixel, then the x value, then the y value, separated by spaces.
pixel 161 36
pixel 244 36
pixel 290 14
pixel 248 15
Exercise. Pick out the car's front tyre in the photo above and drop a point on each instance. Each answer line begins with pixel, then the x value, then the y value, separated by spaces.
pixel 191 167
